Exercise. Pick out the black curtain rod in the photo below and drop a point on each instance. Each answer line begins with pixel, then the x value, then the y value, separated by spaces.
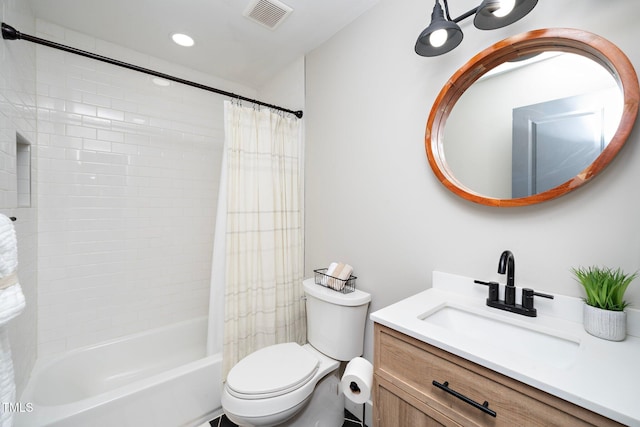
pixel 10 33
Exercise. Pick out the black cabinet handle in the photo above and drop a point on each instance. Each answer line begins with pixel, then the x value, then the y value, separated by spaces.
pixel 484 407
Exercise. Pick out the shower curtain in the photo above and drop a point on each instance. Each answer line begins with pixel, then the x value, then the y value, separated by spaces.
pixel 258 248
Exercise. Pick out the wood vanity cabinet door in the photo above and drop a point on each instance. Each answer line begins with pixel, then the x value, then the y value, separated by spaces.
pixel 391 410
pixel 404 394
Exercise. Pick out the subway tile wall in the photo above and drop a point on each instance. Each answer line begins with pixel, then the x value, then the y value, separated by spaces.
pixel 18 117
pixel 127 190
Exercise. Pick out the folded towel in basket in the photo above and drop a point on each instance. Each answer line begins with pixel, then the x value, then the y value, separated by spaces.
pixel 343 271
pixel 332 268
pixel 338 271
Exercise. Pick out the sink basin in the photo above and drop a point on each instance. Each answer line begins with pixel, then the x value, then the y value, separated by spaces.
pixel 538 346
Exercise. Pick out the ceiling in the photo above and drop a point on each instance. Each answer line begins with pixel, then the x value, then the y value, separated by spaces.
pixel 227 44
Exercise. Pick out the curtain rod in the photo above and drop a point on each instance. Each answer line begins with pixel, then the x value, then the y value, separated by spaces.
pixel 10 33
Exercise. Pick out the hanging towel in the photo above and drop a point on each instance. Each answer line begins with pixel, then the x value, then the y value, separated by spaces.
pixel 11 305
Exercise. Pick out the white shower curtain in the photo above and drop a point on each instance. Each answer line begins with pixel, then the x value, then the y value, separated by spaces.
pixel 263 233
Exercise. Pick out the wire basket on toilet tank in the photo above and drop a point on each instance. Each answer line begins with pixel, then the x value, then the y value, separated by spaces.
pixel 340 285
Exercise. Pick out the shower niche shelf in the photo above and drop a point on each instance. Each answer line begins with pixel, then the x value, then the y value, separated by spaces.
pixel 23 171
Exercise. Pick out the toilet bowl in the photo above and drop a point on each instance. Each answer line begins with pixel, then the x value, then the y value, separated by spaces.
pixel 298 386
pixel 272 385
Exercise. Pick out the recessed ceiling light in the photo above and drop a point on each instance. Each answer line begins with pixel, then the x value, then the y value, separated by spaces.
pixel 160 82
pixel 182 39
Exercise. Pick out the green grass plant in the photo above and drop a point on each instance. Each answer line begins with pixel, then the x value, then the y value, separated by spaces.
pixel 605 287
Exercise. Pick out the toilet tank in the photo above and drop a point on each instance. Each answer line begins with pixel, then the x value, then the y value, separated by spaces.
pixel 336 321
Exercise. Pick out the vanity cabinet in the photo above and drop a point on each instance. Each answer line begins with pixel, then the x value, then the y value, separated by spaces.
pixel 405 395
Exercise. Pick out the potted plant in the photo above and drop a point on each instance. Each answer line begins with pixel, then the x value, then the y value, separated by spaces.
pixel 604 314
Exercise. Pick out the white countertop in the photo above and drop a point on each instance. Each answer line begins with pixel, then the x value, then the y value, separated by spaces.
pixel 603 376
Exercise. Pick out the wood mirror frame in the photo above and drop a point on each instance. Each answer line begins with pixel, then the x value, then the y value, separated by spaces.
pixel 575 41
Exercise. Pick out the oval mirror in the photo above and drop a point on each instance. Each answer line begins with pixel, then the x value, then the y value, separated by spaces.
pixel 532 117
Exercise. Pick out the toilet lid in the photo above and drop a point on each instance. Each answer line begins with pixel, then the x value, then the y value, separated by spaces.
pixel 272 371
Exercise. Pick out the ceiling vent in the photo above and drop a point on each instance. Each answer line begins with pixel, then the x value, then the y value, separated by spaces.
pixel 269 13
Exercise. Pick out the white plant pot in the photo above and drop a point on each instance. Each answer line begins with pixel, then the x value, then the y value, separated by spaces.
pixel 605 324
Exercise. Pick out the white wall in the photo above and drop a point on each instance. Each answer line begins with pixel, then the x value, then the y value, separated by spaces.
pixel 286 88
pixel 18 115
pixel 128 189
pixel 373 201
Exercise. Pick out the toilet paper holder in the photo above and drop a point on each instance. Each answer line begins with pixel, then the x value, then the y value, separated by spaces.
pixel 357 380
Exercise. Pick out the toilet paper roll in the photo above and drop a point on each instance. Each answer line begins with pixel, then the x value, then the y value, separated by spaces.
pixel 357 381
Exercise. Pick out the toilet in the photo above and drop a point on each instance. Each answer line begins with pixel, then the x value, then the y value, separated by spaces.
pixel 299 386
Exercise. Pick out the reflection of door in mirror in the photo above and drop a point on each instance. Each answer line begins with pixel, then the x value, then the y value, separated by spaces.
pixel 480 129
pixel 553 141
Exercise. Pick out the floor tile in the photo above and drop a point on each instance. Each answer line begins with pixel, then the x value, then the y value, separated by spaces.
pixel 350 420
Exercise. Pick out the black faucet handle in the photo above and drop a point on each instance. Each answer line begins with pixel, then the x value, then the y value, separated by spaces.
pixel 528 294
pixel 494 289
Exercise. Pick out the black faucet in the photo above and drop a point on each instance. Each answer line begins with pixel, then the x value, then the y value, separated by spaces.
pixel 507 264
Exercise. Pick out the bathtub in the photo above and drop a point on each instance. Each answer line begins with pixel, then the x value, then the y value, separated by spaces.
pixel 157 378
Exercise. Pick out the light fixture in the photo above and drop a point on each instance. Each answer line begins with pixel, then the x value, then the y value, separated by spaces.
pixel 443 35
pixel 492 14
pixel 161 82
pixel 182 39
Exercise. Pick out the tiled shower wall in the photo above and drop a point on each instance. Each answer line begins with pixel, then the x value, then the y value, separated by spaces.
pixel 128 182
pixel 18 120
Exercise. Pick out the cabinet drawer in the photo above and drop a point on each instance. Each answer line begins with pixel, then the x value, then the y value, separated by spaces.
pixel 412 366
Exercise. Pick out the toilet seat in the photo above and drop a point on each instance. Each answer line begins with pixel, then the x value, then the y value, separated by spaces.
pixel 256 409
pixel 272 371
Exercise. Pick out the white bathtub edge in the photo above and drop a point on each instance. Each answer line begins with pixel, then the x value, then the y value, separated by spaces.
pixel 198 382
